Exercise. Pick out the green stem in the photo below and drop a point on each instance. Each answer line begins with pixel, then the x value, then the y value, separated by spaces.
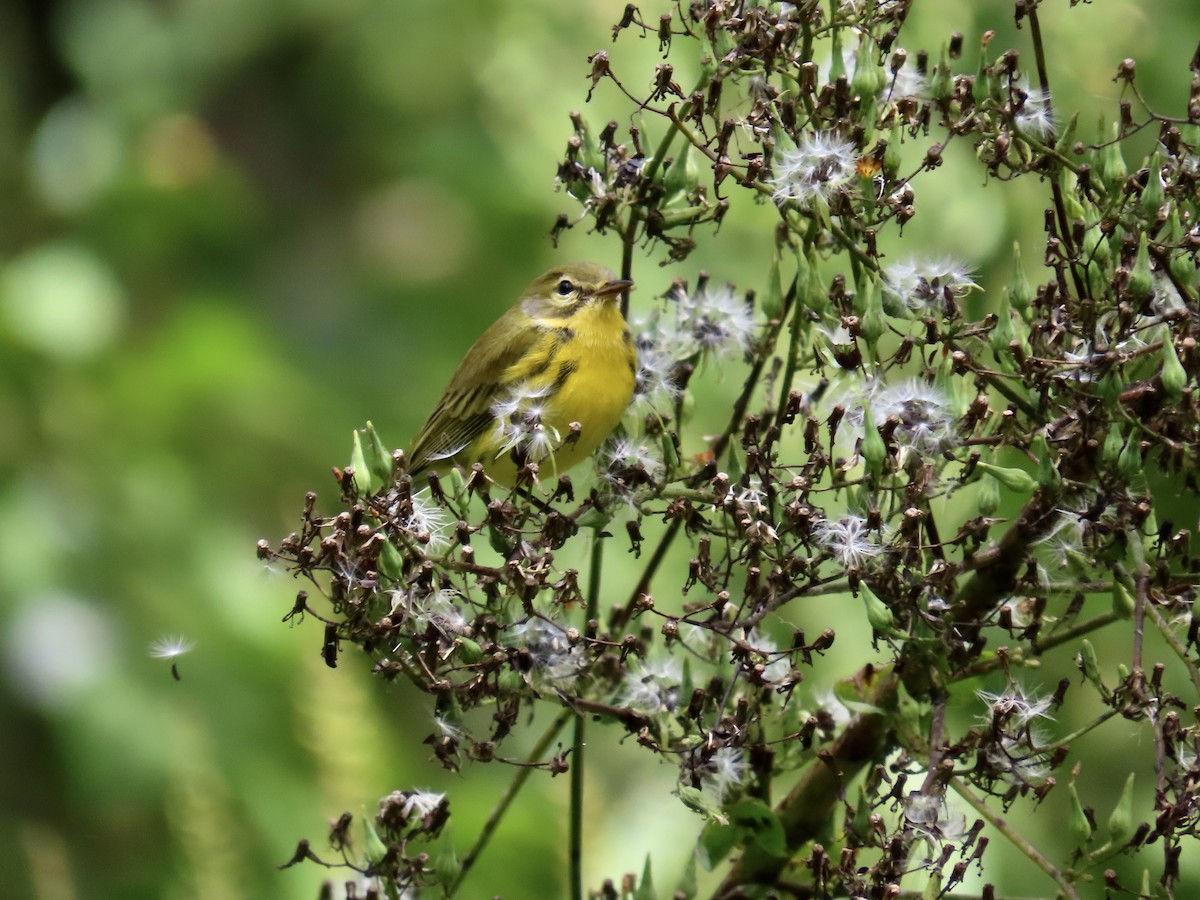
pixel 577 743
pixel 1176 645
pixel 1014 837
pixel 485 833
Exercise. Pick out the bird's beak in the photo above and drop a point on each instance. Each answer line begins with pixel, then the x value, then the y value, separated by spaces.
pixel 616 286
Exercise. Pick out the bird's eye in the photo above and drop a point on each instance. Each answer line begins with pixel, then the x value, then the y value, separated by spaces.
pixel 565 288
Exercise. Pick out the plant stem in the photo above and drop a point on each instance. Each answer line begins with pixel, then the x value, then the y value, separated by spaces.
pixel 577 743
pixel 510 794
pixel 1014 837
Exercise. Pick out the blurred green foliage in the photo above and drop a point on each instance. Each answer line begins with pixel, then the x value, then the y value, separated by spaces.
pixel 231 232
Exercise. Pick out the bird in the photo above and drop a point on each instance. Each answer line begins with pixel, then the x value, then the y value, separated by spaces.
pixel 547 383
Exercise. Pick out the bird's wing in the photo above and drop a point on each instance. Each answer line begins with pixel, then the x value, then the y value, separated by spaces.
pixel 464 412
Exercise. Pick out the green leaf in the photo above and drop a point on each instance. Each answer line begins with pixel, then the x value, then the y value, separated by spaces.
pixel 715 843
pixel 687 888
pixel 645 888
pixel 760 824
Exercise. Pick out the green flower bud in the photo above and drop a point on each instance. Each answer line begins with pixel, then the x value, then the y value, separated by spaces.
pixel 1110 452
pixel 1112 164
pixel 872 323
pixel 868 81
pixel 1017 480
pixel 590 156
pixel 1097 249
pixel 1002 335
pixel 772 301
pixel 1122 600
pixel 860 824
pixel 837 65
pixel 1079 564
pixel 941 85
pixel 1174 378
pixel 363 481
pixel 670 453
pixel 1110 387
pixel 1141 280
pixel 1067 138
pixel 1129 463
pixel 808 280
pixel 985 85
pixel 878 615
pixel 987 498
pixel 374 848
pixel 1089 664
pixel 1120 823
pixel 1047 474
pixel 1154 194
pixel 391 563
pixel 1078 824
pixel 1020 291
pixel 595 518
pixel 502 542
pixel 469 651
pixel 891 156
pixel 681 177
pixel 510 680
pixel 933 885
pixel 447 865
pixel 874 451
pixel 378 457
pixel 1072 206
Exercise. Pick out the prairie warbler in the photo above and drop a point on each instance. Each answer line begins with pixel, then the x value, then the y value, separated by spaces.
pixel 546 383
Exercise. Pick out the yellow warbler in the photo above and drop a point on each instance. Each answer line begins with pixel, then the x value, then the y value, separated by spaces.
pixel 547 383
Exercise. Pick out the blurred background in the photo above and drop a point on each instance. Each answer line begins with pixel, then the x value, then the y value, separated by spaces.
pixel 232 231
